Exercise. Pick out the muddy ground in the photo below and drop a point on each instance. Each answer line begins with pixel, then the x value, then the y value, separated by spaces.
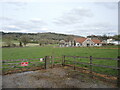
pixel 0 82
pixel 60 77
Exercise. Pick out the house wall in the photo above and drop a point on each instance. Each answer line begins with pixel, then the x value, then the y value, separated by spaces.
pixel 88 42
pixel 97 45
pixel 109 40
pixel 116 42
pixel 78 44
pixel 100 44
pixel 70 43
pixel 85 44
pixel 62 45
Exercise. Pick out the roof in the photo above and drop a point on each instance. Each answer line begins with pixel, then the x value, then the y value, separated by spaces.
pixel 81 40
pixel 96 41
pixel 62 41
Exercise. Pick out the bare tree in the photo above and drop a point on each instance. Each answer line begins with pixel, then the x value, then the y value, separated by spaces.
pixel 8 40
pixel 43 41
pixel 24 39
pixel 70 39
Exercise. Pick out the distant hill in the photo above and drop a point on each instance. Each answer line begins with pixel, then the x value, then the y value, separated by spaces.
pixel 37 36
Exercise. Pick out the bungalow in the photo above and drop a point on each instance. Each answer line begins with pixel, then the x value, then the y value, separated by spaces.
pixel 112 41
pixel 82 42
pixel 87 42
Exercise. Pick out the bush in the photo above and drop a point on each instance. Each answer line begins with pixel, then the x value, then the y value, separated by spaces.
pixel 110 44
pixel 13 45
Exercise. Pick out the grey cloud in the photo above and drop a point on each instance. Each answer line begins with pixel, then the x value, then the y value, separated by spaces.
pixel 31 25
pixel 16 5
pixel 5 18
pixel 40 22
pixel 16 25
pixel 10 28
pixel 101 25
pixel 109 5
pixel 74 16
pixel 6 21
pixel 80 11
pixel 9 0
pixel 93 28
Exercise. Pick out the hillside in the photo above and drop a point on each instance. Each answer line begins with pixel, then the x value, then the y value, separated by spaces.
pixel 40 38
pixel 36 36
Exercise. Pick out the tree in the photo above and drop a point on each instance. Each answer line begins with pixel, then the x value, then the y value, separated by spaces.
pixel 70 40
pixel 104 37
pixel 43 41
pixel 116 37
pixel 24 39
pixel 8 40
pixel 74 43
pixel 20 44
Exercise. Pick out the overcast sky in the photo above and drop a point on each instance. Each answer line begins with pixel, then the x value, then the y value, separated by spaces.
pixel 78 18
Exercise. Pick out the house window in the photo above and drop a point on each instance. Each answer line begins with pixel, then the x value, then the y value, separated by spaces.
pixel 78 44
pixel 88 45
pixel 98 44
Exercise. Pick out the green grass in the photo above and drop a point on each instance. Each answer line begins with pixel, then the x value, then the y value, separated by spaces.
pixel 37 52
pixel 40 52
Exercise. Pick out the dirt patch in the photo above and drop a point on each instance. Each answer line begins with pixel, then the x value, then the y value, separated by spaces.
pixel 59 77
pixel 20 70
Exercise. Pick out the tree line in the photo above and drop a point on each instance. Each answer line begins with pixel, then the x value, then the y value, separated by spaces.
pixel 45 38
pixel 39 38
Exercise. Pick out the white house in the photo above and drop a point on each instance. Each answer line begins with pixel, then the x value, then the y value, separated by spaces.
pixel 81 42
pixel 112 41
pixel 87 42
pixel 116 42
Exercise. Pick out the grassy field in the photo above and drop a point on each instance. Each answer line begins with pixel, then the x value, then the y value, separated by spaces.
pixel 40 52
pixel 37 52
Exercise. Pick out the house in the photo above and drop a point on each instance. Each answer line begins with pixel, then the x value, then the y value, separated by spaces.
pixel 66 43
pixel 77 42
pixel 112 41
pixel 87 42
pixel 62 43
pixel 116 42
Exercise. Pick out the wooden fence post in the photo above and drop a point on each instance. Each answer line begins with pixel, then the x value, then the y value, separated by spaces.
pixel 118 76
pixel 91 66
pixel 46 62
pixel 74 62
pixel 52 59
pixel 63 61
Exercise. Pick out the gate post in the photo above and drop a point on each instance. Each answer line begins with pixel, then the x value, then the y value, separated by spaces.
pixel 52 59
pixel 118 76
pixel 91 66
pixel 46 62
pixel 74 62
pixel 63 61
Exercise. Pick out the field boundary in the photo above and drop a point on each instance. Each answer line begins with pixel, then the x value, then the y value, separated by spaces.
pixel 50 62
pixel 91 64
